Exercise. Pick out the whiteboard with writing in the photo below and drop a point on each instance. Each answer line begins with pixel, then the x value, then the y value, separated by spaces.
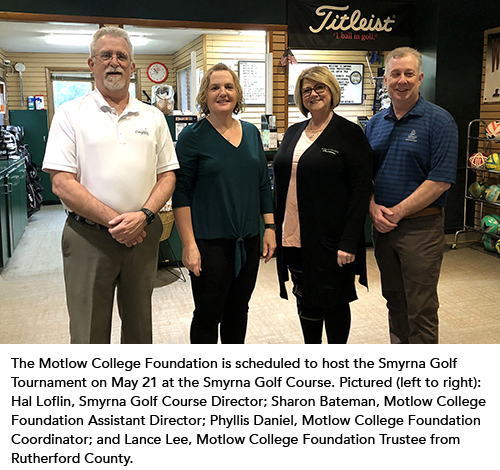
pixel 252 77
pixel 349 76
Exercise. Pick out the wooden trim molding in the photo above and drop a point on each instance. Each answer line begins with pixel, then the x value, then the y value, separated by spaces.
pixel 205 67
pixel 50 95
pixel 42 17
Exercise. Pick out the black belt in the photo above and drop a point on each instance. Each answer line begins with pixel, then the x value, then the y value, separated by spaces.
pixel 85 221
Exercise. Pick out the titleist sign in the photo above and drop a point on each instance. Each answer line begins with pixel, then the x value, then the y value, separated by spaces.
pixel 358 25
pixel 355 22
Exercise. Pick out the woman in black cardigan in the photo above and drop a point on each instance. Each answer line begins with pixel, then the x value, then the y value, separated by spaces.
pixel 323 185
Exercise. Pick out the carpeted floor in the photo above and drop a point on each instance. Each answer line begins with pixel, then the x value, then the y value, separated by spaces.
pixel 32 300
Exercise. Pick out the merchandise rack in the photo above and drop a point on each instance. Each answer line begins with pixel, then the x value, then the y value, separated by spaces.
pixel 476 135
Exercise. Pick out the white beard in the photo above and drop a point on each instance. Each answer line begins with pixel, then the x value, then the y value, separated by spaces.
pixel 115 82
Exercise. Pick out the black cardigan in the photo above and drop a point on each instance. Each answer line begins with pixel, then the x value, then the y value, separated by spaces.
pixel 334 185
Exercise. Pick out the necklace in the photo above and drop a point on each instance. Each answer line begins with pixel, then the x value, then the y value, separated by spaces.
pixel 227 130
pixel 223 134
pixel 312 133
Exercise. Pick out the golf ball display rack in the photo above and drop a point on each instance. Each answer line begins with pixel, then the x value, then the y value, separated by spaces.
pixel 480 185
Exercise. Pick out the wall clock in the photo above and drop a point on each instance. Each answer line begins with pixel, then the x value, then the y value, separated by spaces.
pixel 157 72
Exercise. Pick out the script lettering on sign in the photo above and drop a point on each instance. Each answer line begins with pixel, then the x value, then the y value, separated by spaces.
pixel 345 22
pixel 364 25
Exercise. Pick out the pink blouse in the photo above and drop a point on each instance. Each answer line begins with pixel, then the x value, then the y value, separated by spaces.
pixel 291 224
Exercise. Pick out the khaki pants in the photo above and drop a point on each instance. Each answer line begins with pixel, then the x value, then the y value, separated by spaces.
pixel 95 265
pixel 409 258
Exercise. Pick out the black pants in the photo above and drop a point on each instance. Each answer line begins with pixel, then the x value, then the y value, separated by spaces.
pixel 219 296
pixel 335 318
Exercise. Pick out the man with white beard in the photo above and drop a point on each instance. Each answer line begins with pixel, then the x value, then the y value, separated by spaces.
pixel 111 162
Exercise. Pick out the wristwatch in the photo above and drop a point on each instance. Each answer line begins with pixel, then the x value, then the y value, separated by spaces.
pixel 271 226
pixel 150 216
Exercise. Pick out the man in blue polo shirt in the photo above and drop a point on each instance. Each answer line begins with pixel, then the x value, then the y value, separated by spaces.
pixel 416 147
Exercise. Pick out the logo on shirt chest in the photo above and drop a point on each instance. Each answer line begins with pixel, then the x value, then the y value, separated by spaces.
pixel 412 136
pixel 142 131
pixel 332 151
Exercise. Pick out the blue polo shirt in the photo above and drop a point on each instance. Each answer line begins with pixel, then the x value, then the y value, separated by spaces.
pixel 422 145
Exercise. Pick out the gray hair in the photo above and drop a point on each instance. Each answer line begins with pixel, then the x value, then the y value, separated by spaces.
pixel 111 31
pixel 403 52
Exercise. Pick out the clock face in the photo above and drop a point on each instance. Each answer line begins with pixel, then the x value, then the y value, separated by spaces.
pixel 355 78
pixel 157 72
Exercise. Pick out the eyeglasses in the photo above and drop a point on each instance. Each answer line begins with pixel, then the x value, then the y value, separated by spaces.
pixel 121 57
pixel 319 88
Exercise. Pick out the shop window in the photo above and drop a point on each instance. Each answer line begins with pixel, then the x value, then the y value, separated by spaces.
pixel 183 96
pixel 183 88
pixel 68 85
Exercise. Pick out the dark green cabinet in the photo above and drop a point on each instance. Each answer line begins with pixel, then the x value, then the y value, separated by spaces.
pixel 36 131
pixel 4 223
pixel 18 205
pixel 13 210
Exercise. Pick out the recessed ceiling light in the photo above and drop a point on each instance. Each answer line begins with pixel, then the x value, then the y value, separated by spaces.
pixel 251 33
pixel 139 40
pixel 85 39
pixel 68 39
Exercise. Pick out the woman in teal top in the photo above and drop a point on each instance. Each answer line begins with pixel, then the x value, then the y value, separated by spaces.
pixel 222 189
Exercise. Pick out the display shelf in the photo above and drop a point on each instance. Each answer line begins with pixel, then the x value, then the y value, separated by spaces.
pixel 482 201
pixel 481 206
pixel 480 170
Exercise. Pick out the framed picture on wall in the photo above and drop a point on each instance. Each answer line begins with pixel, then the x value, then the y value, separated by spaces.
pixel 492 73
pixel 252 75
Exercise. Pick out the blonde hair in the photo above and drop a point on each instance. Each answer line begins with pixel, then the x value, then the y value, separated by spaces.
pixel 321 75
pixel 202 98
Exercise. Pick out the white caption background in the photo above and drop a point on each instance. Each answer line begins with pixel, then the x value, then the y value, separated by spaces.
pixel 255 406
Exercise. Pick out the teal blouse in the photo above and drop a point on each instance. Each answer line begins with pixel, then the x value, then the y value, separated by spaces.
pixel 226 187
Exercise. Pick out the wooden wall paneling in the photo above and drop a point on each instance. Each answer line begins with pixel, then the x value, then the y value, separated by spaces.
pixel 182 58
pixel 230 49
pixel 34 77
pixel 204 53
pixel 280 81
pixel 142 63
pixel 36 82
pixel 210 49
pixel 3 56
